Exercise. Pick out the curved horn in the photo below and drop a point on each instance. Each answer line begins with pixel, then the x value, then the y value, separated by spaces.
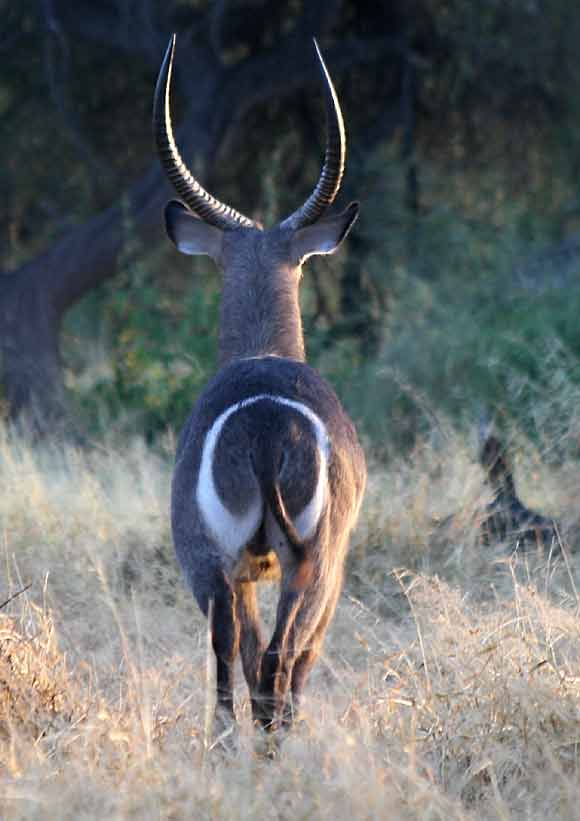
pixel 197 198
pixel 330 178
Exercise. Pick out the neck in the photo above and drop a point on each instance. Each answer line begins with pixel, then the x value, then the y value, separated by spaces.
pixel 260 318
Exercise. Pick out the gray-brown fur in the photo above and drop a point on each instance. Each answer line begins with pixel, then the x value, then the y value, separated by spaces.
pixel 268 319
pixel 302 612
pixel 269 455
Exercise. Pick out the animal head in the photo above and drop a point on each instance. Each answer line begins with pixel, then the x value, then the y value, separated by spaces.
pixel 240 246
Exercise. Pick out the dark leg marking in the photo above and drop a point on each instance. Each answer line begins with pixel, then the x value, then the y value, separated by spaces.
pixel 274 672
pixel 225 636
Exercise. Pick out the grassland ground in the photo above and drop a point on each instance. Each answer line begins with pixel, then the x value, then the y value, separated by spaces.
pixel 449 686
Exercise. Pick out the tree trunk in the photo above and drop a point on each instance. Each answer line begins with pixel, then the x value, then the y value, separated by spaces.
pixel 33 388
pixel 34 300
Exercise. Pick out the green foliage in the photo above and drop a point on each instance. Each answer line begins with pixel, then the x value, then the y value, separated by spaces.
pixel 462 334
pixel 161 350
pixel 421 312
pixel 161 360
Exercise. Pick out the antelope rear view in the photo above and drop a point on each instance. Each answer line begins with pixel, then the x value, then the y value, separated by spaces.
pixel 269 473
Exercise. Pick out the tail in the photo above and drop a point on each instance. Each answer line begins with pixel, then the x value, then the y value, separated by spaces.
pixel 270 487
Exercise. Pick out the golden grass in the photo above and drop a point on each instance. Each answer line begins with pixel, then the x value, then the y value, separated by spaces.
pixel 447 690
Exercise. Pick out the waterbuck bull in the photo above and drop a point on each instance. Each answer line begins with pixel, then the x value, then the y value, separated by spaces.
pixel 506 518
pixel 269 474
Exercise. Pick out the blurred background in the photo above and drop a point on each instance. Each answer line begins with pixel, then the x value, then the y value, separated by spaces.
pixel 457 291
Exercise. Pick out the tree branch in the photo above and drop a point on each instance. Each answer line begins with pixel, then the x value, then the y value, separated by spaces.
pixel 280 71
pixel 87 254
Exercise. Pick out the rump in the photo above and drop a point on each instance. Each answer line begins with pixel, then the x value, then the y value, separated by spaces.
pixel 265 453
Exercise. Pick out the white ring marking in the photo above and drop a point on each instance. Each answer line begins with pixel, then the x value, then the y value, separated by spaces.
pixel 233 532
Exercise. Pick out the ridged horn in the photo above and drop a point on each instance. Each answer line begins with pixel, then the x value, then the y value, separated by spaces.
pixel 330 178
pixel 192 193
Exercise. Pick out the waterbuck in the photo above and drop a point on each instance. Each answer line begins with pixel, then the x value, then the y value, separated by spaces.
pixel 506 518
pixel 269 474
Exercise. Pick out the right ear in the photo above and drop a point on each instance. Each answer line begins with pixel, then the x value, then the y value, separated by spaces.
pixel 190 234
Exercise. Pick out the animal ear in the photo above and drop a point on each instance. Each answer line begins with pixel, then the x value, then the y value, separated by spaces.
pixel 325 235
pixel 190 234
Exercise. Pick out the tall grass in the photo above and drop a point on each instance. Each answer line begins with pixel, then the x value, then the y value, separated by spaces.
pixel 449 685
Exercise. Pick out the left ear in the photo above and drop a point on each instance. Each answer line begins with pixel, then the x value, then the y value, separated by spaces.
pixel 324 236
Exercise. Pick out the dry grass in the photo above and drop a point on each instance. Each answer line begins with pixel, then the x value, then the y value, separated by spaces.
pixel 448 690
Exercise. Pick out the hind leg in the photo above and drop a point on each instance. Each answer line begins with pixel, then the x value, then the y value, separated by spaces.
pixel 225 636
pixel 251 641
pixel 300 608
pixel 306 660
pixel 275 668
pixel 216 597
